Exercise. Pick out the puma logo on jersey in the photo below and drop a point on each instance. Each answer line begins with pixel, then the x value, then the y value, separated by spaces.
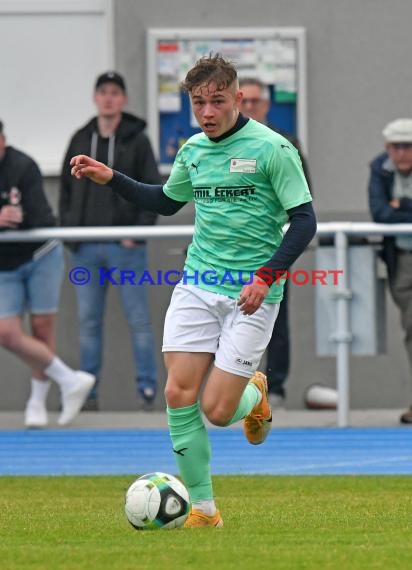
pixel 195 166
pixel 180 451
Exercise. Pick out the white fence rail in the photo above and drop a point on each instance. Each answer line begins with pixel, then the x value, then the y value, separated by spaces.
pixel 339 230
pixel 123 232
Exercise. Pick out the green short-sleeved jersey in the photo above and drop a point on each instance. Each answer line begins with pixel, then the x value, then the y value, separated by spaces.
pixel 242 187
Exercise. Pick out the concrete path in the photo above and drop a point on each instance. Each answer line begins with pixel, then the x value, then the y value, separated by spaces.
pixel 146 420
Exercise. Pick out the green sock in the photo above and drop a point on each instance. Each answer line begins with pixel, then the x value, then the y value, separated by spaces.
pixel 248 401
pixel 192 448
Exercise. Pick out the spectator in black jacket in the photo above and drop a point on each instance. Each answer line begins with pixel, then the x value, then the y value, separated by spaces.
pixel 256 104
pixel 117 139
pixel 30 279
pixel 390 202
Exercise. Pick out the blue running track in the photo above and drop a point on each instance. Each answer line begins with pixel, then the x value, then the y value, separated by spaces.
pixel 288 451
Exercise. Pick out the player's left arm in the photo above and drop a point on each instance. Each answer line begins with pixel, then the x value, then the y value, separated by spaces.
pixel 288 181
pixel 301 231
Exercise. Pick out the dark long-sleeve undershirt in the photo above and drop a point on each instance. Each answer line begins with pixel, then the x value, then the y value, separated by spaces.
pixel 301 230
pixel 146 196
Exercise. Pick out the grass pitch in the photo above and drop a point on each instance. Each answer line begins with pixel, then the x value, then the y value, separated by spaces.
pixel 319 523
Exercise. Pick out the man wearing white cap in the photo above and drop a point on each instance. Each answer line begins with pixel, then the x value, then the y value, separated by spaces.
pixel 390 202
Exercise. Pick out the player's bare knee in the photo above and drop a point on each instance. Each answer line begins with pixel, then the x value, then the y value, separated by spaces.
pixel 217 415
pixel 177 396
pixel 171 395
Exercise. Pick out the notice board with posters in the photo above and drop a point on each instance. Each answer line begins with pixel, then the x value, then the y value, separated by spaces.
pixel 276 56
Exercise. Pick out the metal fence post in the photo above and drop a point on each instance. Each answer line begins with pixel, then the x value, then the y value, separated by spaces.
pixel 343 335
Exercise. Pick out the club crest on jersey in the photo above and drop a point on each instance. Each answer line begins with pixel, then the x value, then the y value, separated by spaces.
pixel 246 165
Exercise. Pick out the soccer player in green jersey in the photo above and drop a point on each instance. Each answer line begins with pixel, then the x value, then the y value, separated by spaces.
pixel 246 182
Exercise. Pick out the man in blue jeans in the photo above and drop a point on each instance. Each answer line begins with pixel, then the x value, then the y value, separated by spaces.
pixel 117 139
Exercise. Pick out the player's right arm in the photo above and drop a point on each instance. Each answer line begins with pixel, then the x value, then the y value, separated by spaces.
pixel 146 196
pixel 85 167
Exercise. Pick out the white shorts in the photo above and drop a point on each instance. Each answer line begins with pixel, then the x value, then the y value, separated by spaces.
pixel 202 321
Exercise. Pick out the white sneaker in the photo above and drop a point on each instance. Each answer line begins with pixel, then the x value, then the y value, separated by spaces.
pixel 74 396
pixel 35 414
pixel 276 401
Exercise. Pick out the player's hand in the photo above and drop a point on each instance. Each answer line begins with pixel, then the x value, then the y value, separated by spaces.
pixel 10 217
pixel 252 296
pixel 85 167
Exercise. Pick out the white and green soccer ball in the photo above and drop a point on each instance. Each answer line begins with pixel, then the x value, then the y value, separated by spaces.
pixel 157 500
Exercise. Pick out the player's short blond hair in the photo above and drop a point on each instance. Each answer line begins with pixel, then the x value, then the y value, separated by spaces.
pixel 210 69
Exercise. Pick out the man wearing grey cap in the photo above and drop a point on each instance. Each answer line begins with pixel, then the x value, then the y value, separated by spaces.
pixel 390 202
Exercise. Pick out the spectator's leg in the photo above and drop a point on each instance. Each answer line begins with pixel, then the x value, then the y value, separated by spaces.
pixel 278 350
pixel 135 301
pixel 91 299
pixel 43 280
pixel 401 289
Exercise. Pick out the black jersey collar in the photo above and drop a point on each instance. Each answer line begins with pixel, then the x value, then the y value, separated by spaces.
pixel 240 123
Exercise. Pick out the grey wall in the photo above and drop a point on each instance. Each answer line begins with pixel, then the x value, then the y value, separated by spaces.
pixel 358 61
